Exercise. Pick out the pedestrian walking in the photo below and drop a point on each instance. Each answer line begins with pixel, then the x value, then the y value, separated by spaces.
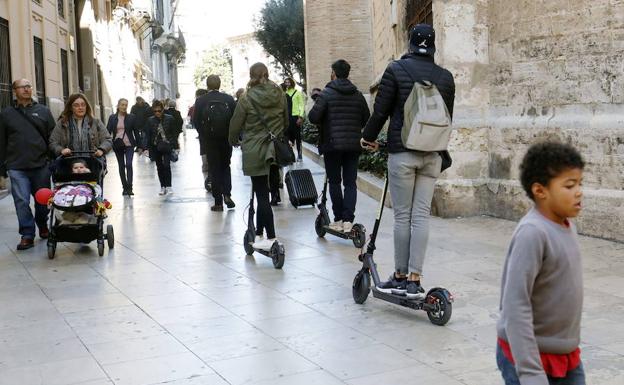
pixel 142 111
pixel 162 139
pixel 541 304
pixel 261 112
pixel 178 122
pixel 77 130
pixel 122 127
pixel 412 174
pixel 296 112
pixel 213 112
pixel 25 129
pixel 341 112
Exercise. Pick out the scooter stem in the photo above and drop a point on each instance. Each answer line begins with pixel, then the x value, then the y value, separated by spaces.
pixel 371 244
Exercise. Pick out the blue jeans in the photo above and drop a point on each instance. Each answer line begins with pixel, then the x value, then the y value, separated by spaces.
pixel 25 183
pixel 508 371
pixel 343 164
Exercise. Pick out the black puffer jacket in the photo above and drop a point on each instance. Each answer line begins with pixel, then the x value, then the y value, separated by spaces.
pixel 341 112
pixel 396 85
pixel 151 131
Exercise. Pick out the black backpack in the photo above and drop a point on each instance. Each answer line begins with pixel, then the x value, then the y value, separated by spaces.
pixel 216 119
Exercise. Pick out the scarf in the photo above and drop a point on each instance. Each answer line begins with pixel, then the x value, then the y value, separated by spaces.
pixel 79 137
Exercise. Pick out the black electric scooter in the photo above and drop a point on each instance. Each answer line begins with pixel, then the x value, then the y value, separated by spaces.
pixel 277 252
pixel 438 303
pixel 321 224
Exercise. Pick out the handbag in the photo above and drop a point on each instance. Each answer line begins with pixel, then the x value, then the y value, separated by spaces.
pixel 284 154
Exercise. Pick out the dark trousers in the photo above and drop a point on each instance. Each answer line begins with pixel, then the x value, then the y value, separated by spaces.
pixel 163 166
pixel 219 155
pixel 274 181
pixel 25 183
pixel 294 134
pixel 264 214
pixel 337 165
pixel 124 162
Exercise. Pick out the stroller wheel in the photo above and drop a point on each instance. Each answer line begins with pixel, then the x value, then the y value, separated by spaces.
pixel 100 247
pixel 51 250
pixel 110 236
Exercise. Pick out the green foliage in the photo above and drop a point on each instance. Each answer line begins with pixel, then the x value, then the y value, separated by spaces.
pixel 280 31
pixel 215 61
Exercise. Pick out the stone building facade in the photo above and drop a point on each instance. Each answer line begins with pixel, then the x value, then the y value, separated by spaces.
pixel 525 71
pixel 107 49
pixel 246 51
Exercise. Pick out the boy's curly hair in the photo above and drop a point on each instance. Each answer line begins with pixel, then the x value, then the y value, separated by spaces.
pixel 544 161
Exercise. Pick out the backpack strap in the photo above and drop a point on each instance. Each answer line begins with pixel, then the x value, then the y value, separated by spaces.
pixel 434 75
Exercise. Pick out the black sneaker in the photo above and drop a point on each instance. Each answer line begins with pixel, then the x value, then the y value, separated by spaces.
pixel 414 290
pixel 393 285
pixel 229 202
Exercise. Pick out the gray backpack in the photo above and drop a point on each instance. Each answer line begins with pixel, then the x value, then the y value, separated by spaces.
pixel 426 120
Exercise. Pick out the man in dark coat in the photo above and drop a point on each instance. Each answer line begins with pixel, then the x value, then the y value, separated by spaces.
pixel 341 112
pixel 212 115
pixel 142 111
pixel 411 174
pixel 25 131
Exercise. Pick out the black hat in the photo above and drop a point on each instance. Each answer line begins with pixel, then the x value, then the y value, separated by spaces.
pixel 422 39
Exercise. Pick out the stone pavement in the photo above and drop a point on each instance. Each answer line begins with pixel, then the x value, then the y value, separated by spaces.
pixel 178 301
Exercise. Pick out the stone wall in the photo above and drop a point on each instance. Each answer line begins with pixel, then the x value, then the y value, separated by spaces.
pixel 338 29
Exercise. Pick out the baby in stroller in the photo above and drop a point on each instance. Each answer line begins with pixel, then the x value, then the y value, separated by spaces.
pixel 72 200
pixel 78 208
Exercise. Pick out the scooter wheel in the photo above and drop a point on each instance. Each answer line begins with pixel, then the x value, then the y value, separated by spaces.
pixel 442 311
pixel 278 254
pixel 361 286
pixel 248 240
pixel 319 226
pixel 359 235
pixel 51 250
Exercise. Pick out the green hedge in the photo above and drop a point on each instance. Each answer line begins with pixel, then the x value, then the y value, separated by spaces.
pixel 373 162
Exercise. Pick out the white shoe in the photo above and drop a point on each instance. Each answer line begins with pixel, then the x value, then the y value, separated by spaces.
pixel 259 238
pixel 168 190
pixel 347 226
pixel 163 191
pixel 336 226
pixel 264 244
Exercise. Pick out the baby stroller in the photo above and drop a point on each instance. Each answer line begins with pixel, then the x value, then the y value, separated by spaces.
pixel 78 209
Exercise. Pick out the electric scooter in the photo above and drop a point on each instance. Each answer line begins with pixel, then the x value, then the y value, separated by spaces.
pixel 438 303
pixel 321 224
pixel 277 252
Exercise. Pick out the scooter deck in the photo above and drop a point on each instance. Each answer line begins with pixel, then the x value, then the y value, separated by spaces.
pixel 401 300
pixel 339 234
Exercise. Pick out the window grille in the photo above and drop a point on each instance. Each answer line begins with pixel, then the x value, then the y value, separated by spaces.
pixel 39 71
pixel 65 74
pixel 418 12
pixel 6 93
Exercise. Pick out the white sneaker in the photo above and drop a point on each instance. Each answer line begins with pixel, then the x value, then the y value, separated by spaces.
pixel 163 191
pixel 347 226
pixel 259 238
pixel 264 244
pixel 336 226
pixel 168 190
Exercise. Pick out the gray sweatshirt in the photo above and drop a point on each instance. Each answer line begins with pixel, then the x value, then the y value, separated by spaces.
pixel 541 294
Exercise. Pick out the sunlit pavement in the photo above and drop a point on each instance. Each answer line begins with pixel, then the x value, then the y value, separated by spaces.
pixel 178 301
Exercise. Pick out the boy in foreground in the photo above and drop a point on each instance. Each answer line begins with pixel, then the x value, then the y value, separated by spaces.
pixel 542 286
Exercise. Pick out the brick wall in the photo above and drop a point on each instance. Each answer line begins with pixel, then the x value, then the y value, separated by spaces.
pixel 338 29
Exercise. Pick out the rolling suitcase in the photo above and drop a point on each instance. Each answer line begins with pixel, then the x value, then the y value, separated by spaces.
pixel 301 188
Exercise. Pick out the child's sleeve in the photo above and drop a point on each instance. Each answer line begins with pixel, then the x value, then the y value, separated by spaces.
pixel 523 265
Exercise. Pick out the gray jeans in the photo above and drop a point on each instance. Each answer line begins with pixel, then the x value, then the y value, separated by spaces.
pixel 412 177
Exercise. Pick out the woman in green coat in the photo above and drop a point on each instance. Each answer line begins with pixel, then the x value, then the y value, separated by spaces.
pixel 262 98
